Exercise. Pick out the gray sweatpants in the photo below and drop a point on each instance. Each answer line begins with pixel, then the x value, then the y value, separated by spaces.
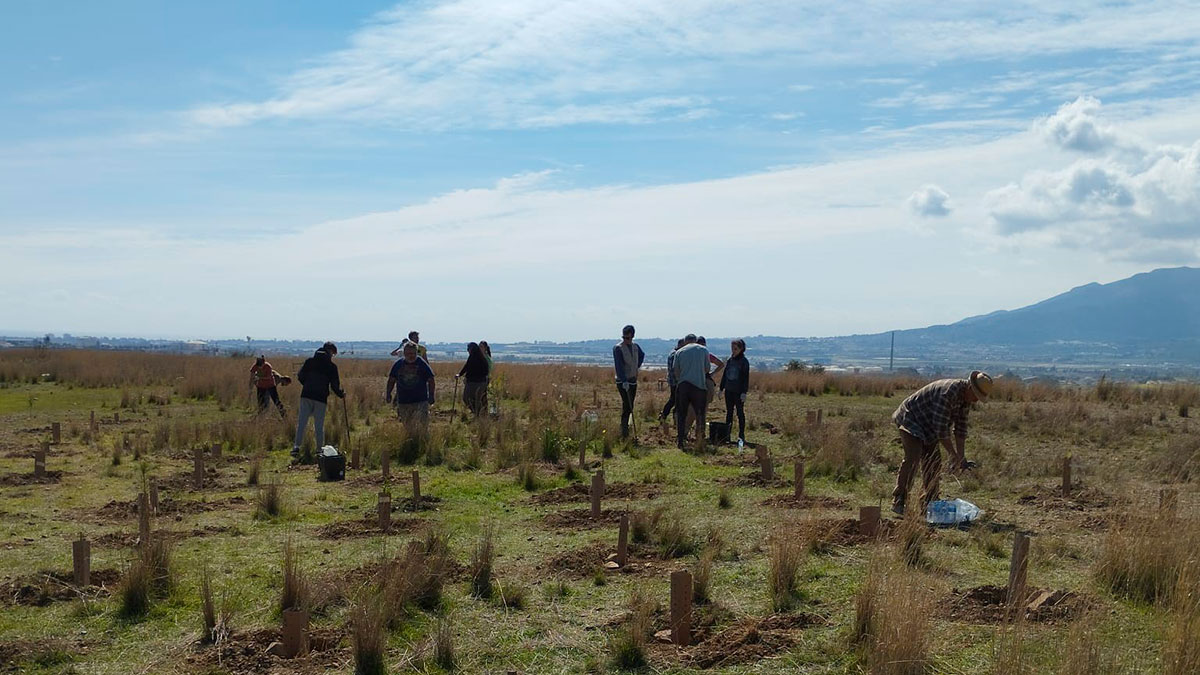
pixel 316 410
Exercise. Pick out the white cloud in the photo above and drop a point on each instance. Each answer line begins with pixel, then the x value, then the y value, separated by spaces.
pixel 482 64
pixel 1127 199
pixel 930 201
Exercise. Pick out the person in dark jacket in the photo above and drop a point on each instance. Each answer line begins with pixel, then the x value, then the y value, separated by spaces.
pixel 735 382
pixel 627 360
pixel 318 376
pixel 476 370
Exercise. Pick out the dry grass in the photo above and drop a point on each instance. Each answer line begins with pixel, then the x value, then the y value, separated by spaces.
pixel 149 576
pixel 786 553
pixel 296 594
pixel 483 558
pixel 269 501
pixel 217 622
pixel 1086 652
pixel 702 575
pixel 892 620
pixel 1181 648
pixel 415 579
pixel 628 647
pixel 443 645
pixel 368 635
pixel 1142 559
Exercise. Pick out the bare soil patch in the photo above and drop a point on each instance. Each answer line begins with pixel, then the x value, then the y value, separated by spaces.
pixel 19 479
pixel 750 641
pixel 128 539
pixel 246 653
pixel 581 519
pixel 756 479
pixel 120 511
pixel 583 562
pixel 365 527
pixel 989 605
pixel 805 502
pixel 578 492
pixel 46 587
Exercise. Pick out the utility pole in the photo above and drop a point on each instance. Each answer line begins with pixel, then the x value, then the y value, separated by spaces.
pixel 892 357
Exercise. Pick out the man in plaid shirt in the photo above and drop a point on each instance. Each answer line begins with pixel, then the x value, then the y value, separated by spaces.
pixel 925 419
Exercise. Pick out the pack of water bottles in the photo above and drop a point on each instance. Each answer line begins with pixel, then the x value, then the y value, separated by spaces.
pixel 952 512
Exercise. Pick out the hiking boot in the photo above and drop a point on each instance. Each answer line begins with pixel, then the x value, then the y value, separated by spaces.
pixel 898 508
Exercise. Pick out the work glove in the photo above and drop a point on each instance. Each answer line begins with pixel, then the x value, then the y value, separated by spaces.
pixel 340 394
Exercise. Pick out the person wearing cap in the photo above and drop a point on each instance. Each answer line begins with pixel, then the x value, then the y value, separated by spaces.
pixel 934 414
pixel 412 379
pixel 627 359
pixel 691 397
pixel 317 376
pixel 415 338
pixel 264 378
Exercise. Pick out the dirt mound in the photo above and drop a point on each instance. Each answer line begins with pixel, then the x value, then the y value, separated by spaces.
pixel 19 479
pixel 1082 497
pixel 805 502
pixel 825 533
pixel 246 653
pixel 578 492
pixel 47 587
pixel 366 527
pixel 756 479
pixel 583 562
pixel 749 641
pixel 581 519
pixel 118 511
pixel 128 539
pixel 409 505
pixel 989 605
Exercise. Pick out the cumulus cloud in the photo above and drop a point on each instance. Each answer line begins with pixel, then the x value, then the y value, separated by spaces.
pixel 1127 199
pixel 1076 126
pixel 930 201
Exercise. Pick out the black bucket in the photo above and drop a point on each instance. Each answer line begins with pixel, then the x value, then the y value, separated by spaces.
pixel 718 432
pixel 331 468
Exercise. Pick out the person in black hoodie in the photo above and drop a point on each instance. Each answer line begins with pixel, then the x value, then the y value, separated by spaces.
pixel 476 370
pixel 318 376
pixel 735 382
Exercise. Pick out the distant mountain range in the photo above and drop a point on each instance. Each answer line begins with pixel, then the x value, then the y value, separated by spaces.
pixel 1145 326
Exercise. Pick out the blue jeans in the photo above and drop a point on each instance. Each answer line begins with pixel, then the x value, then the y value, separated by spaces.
pixel 316 410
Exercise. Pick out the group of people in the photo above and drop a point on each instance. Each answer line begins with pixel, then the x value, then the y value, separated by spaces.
pixel 691 373
pixel 933 417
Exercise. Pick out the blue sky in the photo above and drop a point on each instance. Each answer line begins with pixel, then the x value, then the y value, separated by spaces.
pixel 550 170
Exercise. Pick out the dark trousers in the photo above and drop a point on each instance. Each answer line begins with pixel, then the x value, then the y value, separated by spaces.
pixel 689 397
pixel 734 402
pixel 628 392
pixel 267 395
pixel 475 396
pixel 670 404
pixel 929 457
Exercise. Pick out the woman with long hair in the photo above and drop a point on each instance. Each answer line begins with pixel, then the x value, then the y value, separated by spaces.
pixel 735 382
pixel 476 371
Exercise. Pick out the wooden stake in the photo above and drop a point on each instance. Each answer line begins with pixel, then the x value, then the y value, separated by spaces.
pixel 295 633
pixel 56 432
pixel 198 468
pixel 768 466
pixel 1017 567
pixel 810 417
pixel 623 540
pixel 820 416
pixel 39 461
pixel 597 493
pixel 81 557
pixel 116 417
pixel 582 455
pixel 416 478
pixel 92 422
pixel 385 464
pixel 681 608
pixel 153 499
pixel 868 520
pixel 1066 476
pixel 384 509
pixel 799 479
pixel 143 518
pixel 216 451
pixel 355 458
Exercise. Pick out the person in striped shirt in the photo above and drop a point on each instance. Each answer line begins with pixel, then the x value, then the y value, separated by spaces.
pixel 935 413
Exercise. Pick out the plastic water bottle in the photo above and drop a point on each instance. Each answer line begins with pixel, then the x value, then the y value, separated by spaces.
pixel 741 446
pixel 953 512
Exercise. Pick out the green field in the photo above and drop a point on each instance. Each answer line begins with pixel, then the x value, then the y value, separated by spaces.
pixel 555 608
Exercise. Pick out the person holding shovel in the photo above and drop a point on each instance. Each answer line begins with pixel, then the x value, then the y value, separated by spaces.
pixel 264 378
pixel 691 396
pixel 927 418
pixel 412 378
pixel 318 376
pixel 627 360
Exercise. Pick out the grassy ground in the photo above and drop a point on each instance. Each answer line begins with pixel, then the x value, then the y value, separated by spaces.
pixel 571 619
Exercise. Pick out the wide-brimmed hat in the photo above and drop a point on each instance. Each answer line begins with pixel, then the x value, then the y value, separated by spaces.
pixel 981 383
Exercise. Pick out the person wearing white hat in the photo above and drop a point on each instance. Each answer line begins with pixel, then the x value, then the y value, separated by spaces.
pixel 934 414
